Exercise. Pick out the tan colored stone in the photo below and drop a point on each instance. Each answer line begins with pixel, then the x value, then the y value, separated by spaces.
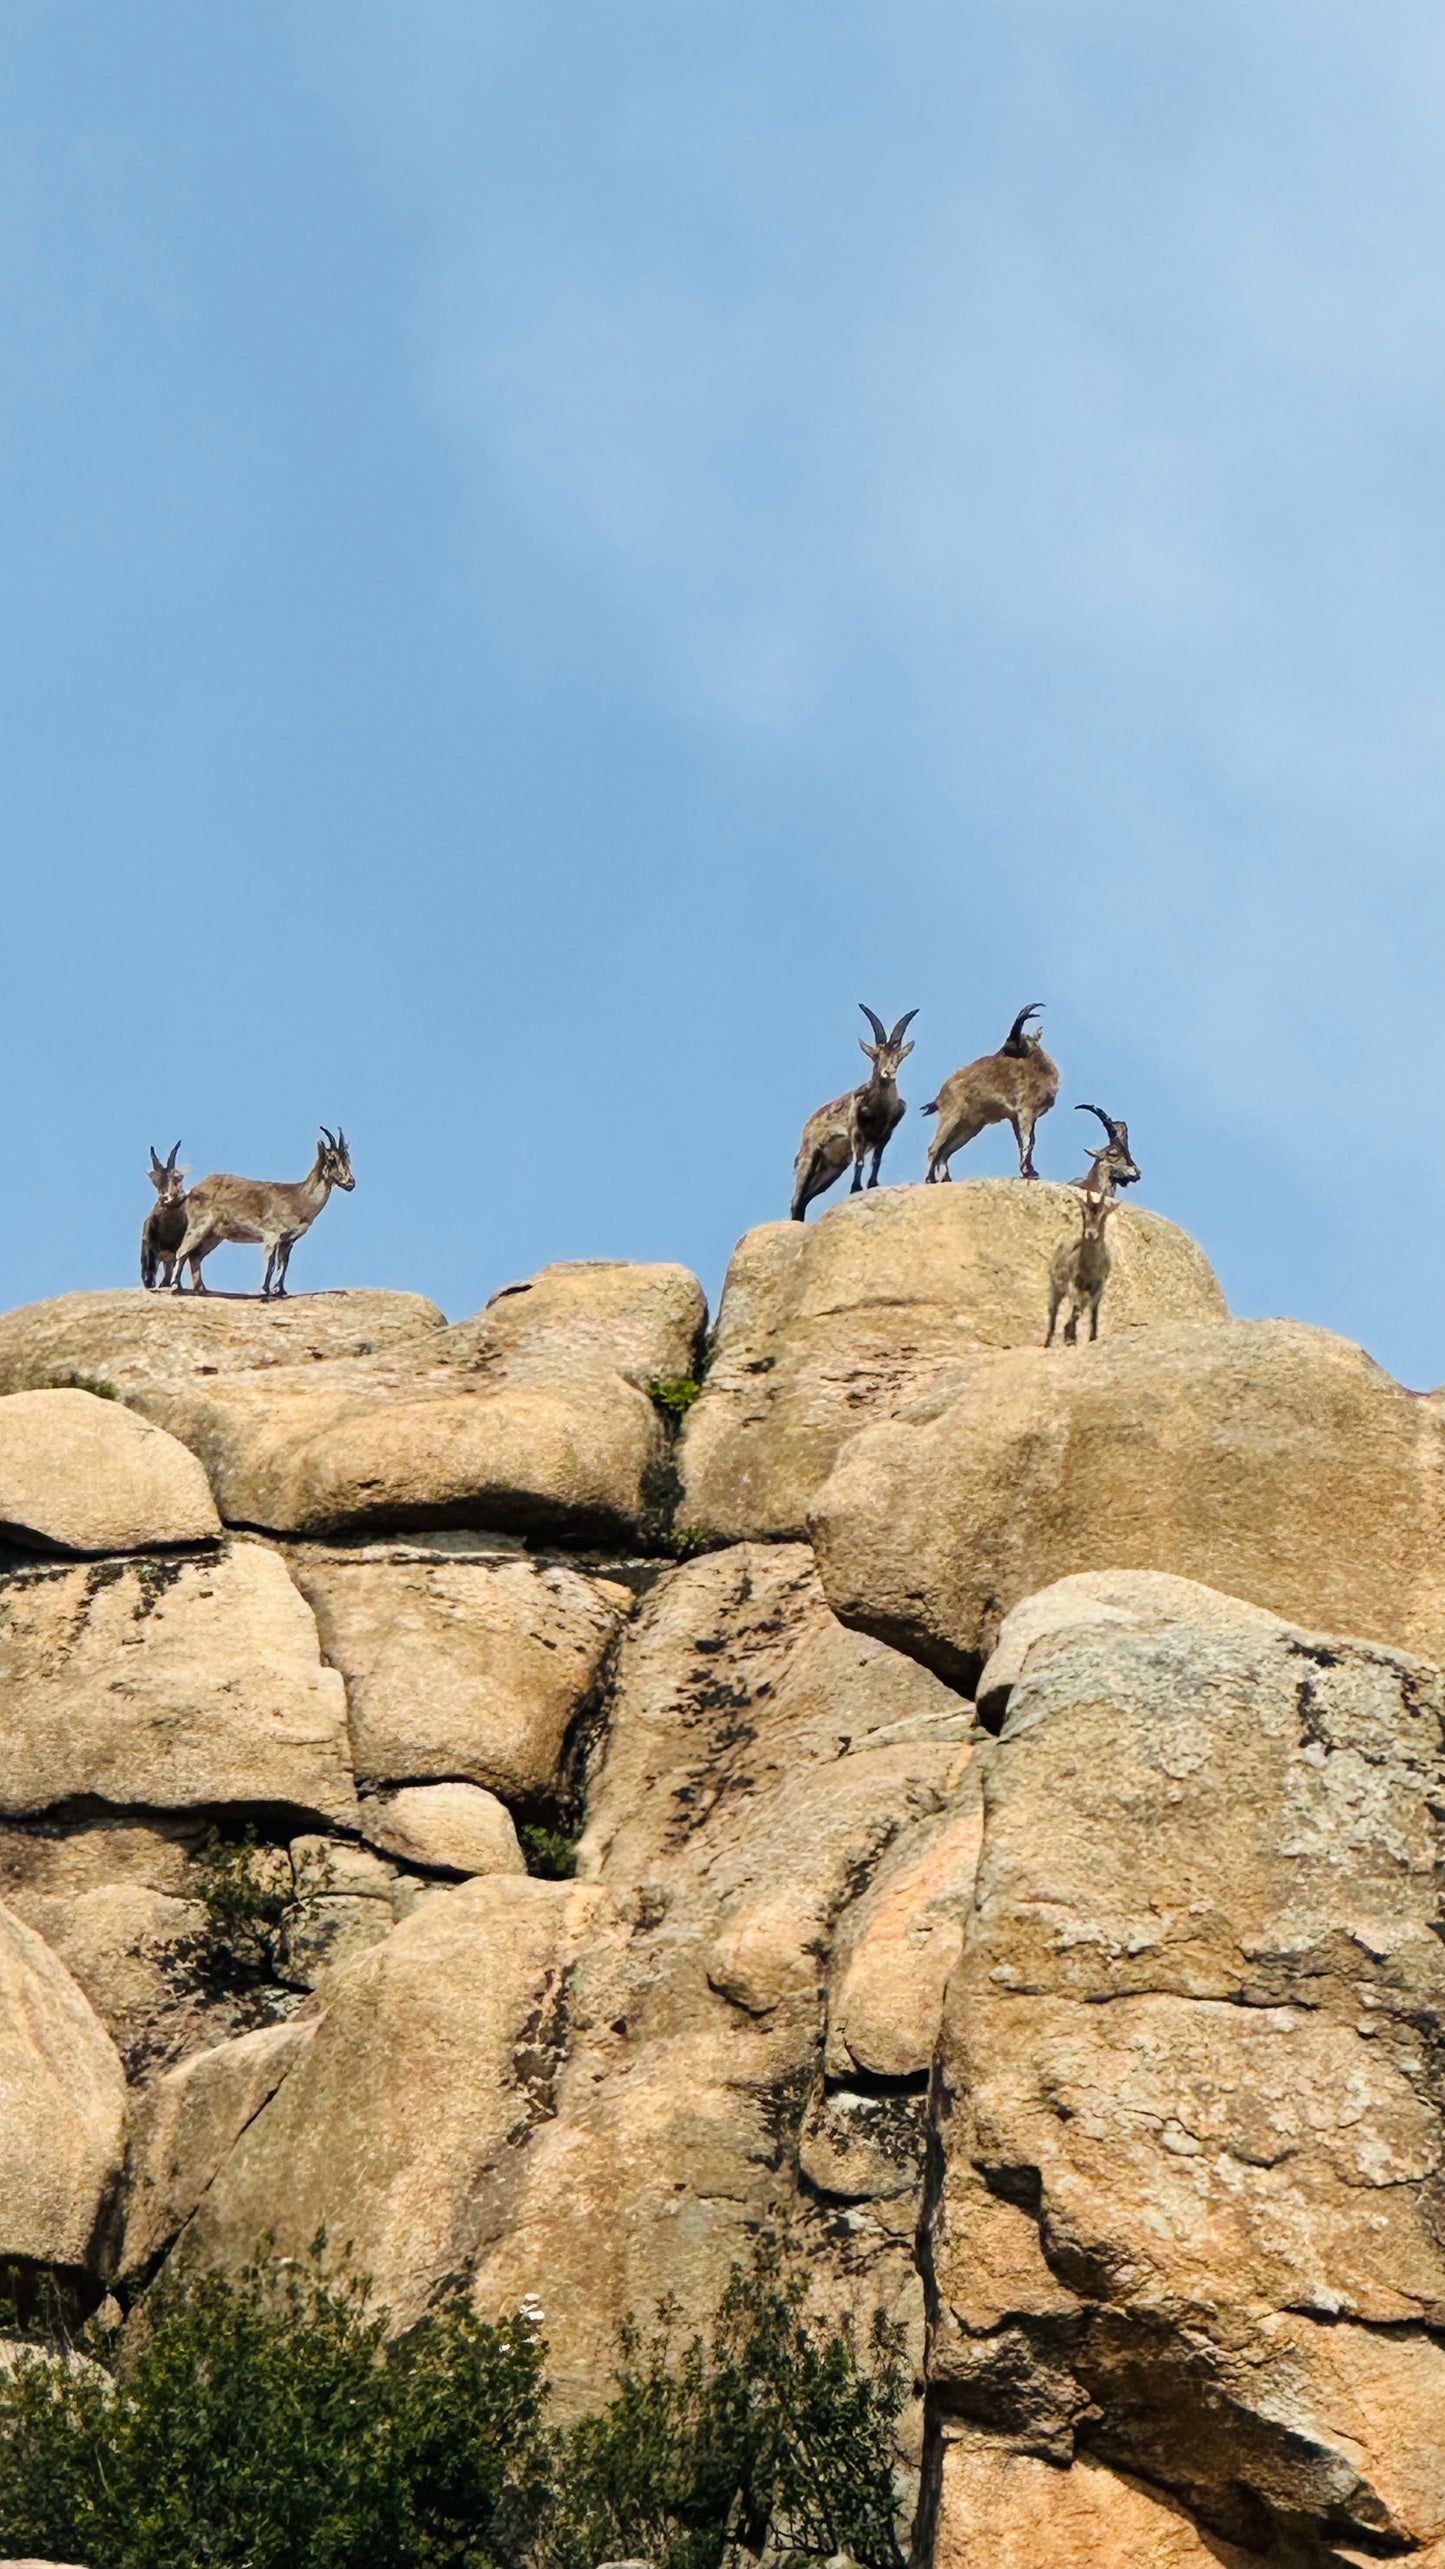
pixel 1140 1600
pixel 452 1828
pixel 47 1859
pixel 168 1682
pixel 875 1311
pixel 78 1474
pixel 126 1339
pixel 1194 2143
pixel 759 1763
pixel 1272 1461
pixel 64 2093
pixel 431 2057
pixel 124 1946
pixel 1005 2510
pixel 470 1667
pixel 327 1933
pixel 533 1416
pixel 187 2124
pixel 897 1946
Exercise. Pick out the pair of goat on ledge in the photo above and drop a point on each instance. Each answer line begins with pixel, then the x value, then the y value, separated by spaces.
pixel 182 1228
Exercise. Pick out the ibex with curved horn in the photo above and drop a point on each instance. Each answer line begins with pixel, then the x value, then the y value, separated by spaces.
pixel 251 1208
pixel 164 1227
pixel 1112 1168
pixel 1015 1085
pixel 849 1127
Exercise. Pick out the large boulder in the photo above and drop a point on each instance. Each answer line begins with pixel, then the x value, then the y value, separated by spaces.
pixel 64 2092
pixel 79 1474
pixel 170 1682
pixel 1191 2118
pixel 1002 2509
pixel 120 1340
pixel 761 1764
pixel 186 2125
pixel 452 1828
pixel 533 1417
pixel 876 1310
pixel 396 2124
pixel 1272 1461
pixel 469 1663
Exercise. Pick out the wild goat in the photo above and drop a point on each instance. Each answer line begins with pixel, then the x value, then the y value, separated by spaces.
pixel 849 1127
pixel 1015 1085
pixel 251 1208
pixel 1112 1167
pixel 164 1227
pixel 1080 1270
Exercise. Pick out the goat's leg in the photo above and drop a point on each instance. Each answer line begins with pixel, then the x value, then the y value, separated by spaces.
pixel 1094 1317
pixel 877 1159
pixel 1055 1298
pixel 284 1247
pixel 1023 1132
pixel 191 1239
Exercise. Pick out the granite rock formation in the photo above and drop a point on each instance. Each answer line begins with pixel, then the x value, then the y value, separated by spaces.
pixel 1094 2029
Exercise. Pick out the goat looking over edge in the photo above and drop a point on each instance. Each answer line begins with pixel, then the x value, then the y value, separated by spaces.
pixel 1015 1085
pixel 849 1127
pixel 251 1208
pixel 1080 1271
pixel 1112 1167
pixel 164 1227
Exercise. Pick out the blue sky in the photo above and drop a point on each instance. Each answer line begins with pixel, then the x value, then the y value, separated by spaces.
pixel 549 551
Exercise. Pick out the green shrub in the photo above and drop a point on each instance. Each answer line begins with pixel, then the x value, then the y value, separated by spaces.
pixel 550 1853
pixel 264 2422
pixel 674 1395
pixel 775 2426
pixel 247 1894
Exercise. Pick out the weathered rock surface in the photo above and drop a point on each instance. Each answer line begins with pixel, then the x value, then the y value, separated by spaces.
pixel 64 2097
pixel 1189 2221
pixel 393 2126
pixel 473 1664
pixel 187 2125
pixel 455 1828
pixel 534 1416
pixel 1272 1461
pixel 79 1474
pixel 126 1339
pixel 1002 2509
pixel 168 1681
pixel 760 1764
pixel 123 1945
pixel 877 1309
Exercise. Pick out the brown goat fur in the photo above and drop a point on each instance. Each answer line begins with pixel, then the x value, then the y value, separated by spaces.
pixel 852 1126
pixel 1015 1086
pixel 273 1213
pixel 164 1227
pixel 1080 1271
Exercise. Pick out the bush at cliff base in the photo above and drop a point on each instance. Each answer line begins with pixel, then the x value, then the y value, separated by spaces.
pixel 265 2420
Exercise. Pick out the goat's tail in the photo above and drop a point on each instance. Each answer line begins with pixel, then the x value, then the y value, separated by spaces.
pixel 931 1108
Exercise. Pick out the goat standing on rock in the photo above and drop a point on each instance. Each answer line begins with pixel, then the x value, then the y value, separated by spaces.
pixel 849 1127
pixel 1015 1085
pixel 1080 1271
pixel 164 1227
pixel 252 1208
pixel 1113 1166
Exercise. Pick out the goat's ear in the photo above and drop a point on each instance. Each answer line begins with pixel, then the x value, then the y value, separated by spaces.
pixel 907 1049
pixel 870 1049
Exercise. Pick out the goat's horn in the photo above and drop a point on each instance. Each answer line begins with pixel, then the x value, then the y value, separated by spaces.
pixel 1106 1120
pixel 902 1026
pixel 328 1136
pixel 340 1139
pixel 875 1022
pixel 1015 1032
pixel 175 1146
pixel 156 1161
